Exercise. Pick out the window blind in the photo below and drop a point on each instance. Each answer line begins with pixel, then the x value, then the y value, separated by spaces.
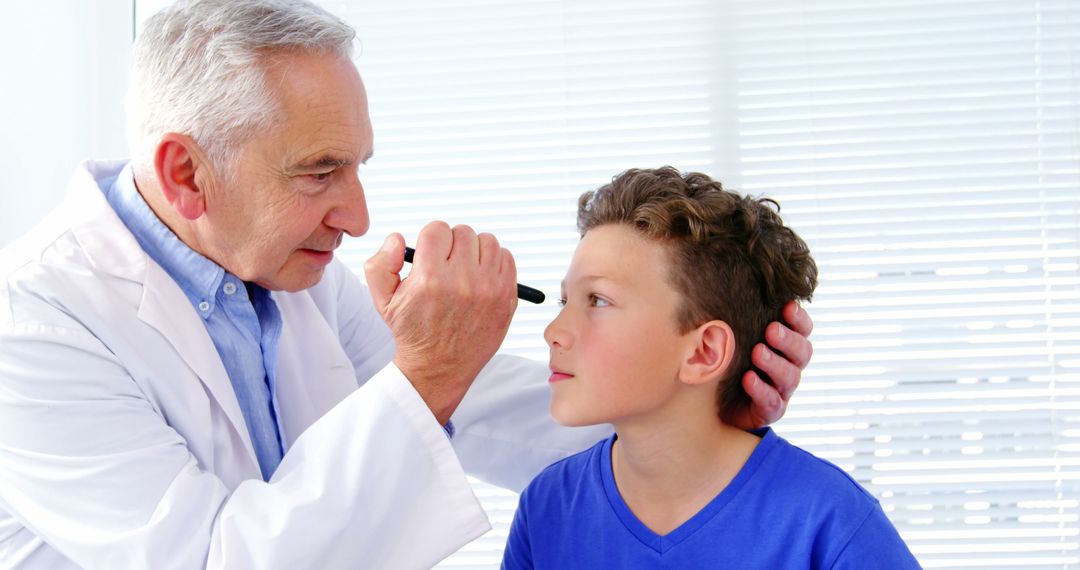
pixel 928 150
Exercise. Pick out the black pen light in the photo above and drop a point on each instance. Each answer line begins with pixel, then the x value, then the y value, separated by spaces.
pixel 524 292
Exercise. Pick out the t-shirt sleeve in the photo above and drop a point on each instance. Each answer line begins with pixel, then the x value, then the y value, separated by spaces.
pixel 518 552
pixel 876 544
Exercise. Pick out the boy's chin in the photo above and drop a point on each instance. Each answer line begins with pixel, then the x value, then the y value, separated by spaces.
pixel 568 420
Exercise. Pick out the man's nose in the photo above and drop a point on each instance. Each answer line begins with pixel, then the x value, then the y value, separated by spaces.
pixel 350 214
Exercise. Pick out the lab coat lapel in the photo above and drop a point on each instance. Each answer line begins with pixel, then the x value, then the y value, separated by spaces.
pixel 313 372
pixel 165 308
pixel 113 250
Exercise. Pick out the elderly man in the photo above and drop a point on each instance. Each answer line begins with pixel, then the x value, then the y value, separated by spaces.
pixel 187 377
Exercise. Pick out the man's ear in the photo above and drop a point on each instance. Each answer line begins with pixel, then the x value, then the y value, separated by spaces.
pixel 710 353
pixel 176 161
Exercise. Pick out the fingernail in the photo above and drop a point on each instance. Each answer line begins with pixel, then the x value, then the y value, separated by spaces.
pixel 387 244
pixel 798 307
pixel 766 354
pixel 781 333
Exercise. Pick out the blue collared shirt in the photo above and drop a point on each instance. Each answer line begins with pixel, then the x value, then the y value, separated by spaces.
pixel 244 329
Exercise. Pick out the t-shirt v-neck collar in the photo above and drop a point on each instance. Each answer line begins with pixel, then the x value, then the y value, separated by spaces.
pixel 668 541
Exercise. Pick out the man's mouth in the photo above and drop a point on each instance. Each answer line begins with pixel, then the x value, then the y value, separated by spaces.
pixel 320 256
pixel 323 252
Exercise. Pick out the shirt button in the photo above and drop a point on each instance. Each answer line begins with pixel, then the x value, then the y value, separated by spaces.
pixel 204 306
pixel 229 288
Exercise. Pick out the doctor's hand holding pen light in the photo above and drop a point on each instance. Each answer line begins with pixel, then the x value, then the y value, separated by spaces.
pixel 451 314
pixel 524 292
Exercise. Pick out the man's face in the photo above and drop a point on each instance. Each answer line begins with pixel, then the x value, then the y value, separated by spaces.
pixel 615 349
pixel 296 189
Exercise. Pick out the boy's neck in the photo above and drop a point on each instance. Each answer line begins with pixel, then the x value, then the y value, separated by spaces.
pixel 667 474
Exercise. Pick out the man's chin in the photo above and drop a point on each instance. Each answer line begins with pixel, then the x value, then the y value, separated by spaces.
pixel 295 281
pixel 307 283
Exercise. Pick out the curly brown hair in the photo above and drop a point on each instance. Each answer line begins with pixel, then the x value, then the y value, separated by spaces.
pixel 732 257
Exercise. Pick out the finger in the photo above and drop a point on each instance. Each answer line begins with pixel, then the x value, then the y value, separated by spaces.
pixel 507 266
pixel 508 273
pixel 797 319
pixel 783 374
pixel 795 347
pixel 767 407
pixel 489 250
pixel 466 245
pixel 383 270
pixel 433 246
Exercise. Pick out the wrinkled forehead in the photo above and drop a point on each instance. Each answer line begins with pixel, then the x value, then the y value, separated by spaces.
pixel 318 86
pixel 323 107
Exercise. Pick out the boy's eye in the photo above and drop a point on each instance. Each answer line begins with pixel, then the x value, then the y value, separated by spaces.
pixel 594 301
pixel 597 301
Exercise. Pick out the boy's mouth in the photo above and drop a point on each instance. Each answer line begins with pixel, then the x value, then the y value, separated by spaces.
pixel 558 375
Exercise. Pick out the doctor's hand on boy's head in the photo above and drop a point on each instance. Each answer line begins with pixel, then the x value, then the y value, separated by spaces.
pixel 451 314
pixel 787 352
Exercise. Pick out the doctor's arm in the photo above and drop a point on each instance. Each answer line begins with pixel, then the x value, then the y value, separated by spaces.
pixel 89 465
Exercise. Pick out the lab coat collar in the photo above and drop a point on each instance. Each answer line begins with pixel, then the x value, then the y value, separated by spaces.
pixel 107 242
pixel 113 250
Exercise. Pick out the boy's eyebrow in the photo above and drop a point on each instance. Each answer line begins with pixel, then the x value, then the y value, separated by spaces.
pixel 590 279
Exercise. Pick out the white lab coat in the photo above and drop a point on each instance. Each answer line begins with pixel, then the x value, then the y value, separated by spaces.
pixel 122 444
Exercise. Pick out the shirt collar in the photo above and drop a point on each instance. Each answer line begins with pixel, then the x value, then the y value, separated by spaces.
pixel 196 275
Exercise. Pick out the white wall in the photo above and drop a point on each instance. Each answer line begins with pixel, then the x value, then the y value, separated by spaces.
pixel 64 67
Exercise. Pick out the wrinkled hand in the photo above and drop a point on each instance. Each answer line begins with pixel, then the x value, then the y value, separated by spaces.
pixel 452 312
pixel 783 364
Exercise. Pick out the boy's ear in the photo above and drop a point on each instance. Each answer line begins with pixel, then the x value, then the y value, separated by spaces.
pixel 710 354
pixel 177 159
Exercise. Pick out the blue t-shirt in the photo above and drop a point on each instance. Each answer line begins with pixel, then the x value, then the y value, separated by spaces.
pixel 784 509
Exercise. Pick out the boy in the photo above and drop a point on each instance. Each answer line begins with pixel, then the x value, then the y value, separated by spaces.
pixel 666 294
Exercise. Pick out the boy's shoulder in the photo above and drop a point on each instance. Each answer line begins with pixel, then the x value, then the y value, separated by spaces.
pixel 812 495
pixel 581 468
pixel 576 463
pixel 791 480
pixel 815 471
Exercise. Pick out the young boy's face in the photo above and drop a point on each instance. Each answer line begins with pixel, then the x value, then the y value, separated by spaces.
pixel 615 348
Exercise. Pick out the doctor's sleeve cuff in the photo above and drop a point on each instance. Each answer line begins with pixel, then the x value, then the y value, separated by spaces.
pixel 434 436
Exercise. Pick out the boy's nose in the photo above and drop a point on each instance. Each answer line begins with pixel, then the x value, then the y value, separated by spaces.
pixel 555 334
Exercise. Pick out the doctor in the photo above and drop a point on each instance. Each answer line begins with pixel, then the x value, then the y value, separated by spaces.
pixel 187 377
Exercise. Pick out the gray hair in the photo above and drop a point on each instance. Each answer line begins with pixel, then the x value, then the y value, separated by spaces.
pixel 200 69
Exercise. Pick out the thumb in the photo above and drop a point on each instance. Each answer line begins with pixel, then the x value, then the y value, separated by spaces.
pixel 383 269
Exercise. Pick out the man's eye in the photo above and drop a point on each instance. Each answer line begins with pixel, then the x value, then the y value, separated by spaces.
pixel 321 176
pixel 562 301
